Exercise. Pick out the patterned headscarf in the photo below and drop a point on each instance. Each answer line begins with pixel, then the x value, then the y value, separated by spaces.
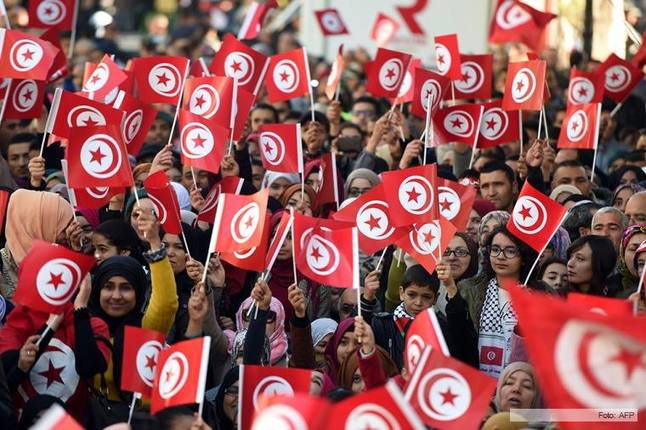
pixel 634 187
pixel 502 217
pixel 278 339
pixel 560 242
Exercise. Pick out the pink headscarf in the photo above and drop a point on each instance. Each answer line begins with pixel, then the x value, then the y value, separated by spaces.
pixel 278 339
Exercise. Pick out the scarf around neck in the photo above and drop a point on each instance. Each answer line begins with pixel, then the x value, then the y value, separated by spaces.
pixel 402 318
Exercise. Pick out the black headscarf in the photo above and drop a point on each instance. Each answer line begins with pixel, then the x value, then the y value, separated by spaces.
pixel 230 378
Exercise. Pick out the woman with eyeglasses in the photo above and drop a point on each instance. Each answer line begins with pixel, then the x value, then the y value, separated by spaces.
pixel 462 255
pixel 360 181
pixel 485 301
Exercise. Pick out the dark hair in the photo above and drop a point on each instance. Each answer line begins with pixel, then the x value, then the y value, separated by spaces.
pixel 603 260
pixel 472 246
pixel 470 173
pixel 527 254
pixel 121 234
pixel 371 100
pixel 547 262
pixel 494 166
pixel 576 198
pixel 417 275
pixel 29 138
pixel 567 163
pixel 165 419
pixel 580 216
pixel 615 178
pixel 266 106
pixel 353 126
pixel 306 118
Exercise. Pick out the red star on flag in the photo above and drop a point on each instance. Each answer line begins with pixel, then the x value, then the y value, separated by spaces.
pixel 199 101
pixel 390 74
pixel 448 396
pixel 413 195
pixel 29 55
pixel 55 280
pixel 97 156
pixel 53 374
pixel 284 76
pixel 630 360
pixel 446 205
pixel 199 141
pixel 583 91
pixel 519 85
pixel 456 123
pixel 614 76
pixel 465 77
pixel 28 94
pixel 316 254
pixel 150 362
pixel 491 124
pixel 236 66
pixel 440 59
pixel 163 79
pixel 373 222
pixel 90 122
pixel 94 78
pixel 525 213
pixel 428 237
pixel 249 222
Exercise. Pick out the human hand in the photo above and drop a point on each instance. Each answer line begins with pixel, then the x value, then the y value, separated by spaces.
pixel 371 285
pixel 194 270
pixel 163 160
pixel 364 335
pixel 197 201
pixel 36 171
pixel 199 423
pixel 445 275
pixel 534 156
pixel 227 323
pixel 198 304
pixel 28 353
pixel 83 296
pixel 74 233
pixel 148 225
pixel 261 294
pixel 229 166
pixel 216 273
pixel 297 300
pixel 333 113
pixel 411 152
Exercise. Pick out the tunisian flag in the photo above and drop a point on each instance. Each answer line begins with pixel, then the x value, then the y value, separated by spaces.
pixel 278 411
pixel 56 418
pixel 407 89
pixel 455 201
pixel 159 79
pixel 601 305
pixel 475 80
pixel 330 22
pixel 141 347
pixel 334 78
pixel 580 129
pixel 23 56
pixel 514 21
pixel 447 56
pixel 387 73
pixel 212 98
pixel 460 123
pixel 426 242
pixel 252 259
pixel 383 29
pixel 181 374
pixel 620 77
pixel 289 76
pixel 257 383
pixel 239 221
pixel 201 141
pixel 371 214
pixel 49 276
pixel 88 197
pixel 58 14
pixel 524 85
pixel 229 185
pixel 329 178
pixel 424 331
pixel 25 99
pixel 164 199
pixel 584 360
pixel 447 393
pixel 105 78
pixel 498 125
pixel 535 217
pixel 281 147
pixel 585 87
pixel 256 15
pixel 411 194
pixel 326 251
pixel 139 117
pixel 427 85
pixel 240 62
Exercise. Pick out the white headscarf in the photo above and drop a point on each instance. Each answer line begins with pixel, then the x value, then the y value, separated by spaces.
pixel 271 177
pixel 322 327
pixel 182 196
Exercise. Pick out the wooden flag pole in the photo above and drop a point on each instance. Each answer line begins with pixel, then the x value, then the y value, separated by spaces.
pixel 70 52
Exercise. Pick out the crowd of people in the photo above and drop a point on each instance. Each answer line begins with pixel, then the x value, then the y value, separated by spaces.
pixel 148 278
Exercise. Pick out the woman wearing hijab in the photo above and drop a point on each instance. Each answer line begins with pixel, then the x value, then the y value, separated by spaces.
pixel 278 182
pixel 340 346
pixel 33 215
pixel 274 328
pixel 360 181
pixel 626 277
pixel 226 401
pixel 481 207
pixel 517 388
pixel 322 331
pixel 623 193
pixel 293 197
pixel 462 255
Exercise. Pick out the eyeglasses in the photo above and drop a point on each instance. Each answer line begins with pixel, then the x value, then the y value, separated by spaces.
pixel 458 252
pixel 508 251
pixel 356 192
pixel 271 316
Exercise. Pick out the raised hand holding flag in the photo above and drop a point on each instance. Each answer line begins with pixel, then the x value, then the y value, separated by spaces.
pixel 165 203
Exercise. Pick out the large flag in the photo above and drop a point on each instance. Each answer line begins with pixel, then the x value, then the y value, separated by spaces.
pixel 460 123
pixel 535 217
pixel 58 14
pixel 447 56
pixel 281 147
pixel 585 87
pixel 581 124
pixel 23 56
pixel 302 412
pixel 387 73
pixel 525 85
pixel 141 347
pixel 426 242
pixel 240 62
pixel 181 374
pixel 259 382
pixel 330 22
pixel 620 77
pixel 289 76
pixel 326 251
pixel 105 78
pixel 139 117
pixel 97 157
pixel 425 331
pixel 514 21
pixel 475 80
pixel 498 125
pixel 202 142
pixel 159 79
pixel 49 276
pixel 256 15
pixel 601 305
pixel 239 222
pixel 229 185
pixel 88 197
pixel 411 194
pixel 25 99
pixel 455 202
pixel 584 360
pixel 427 85
pixel 164 199
pixel 372 217
pixel 447 393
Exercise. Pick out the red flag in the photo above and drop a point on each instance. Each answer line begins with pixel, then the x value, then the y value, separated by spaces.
pixel 379 408
pixel 535 217
pixel 584 360
pixel 334 78
pixel 202 142
pixel 289 76
pixel 602 305
pixel 282 230
pixel 71 112
pixel 164 199
pixel 407 90
pixel 97 157
pixel 141 347
pixel 4 200
pixel 57 14
pixel 49 276
pixel 252 259
pixel 212 98
pixel 252 23
pixel 239 221
pixel 580 128
pixel 159 79
pixel 387 73
pixel 281 147
pixel 514 21
pixel 447 56
pixel 585 87
pixel 475 80
pixel 620 77
pixel 23 56
pixel 428 84
pixel 58 68
pixel 384 29
pixel 459 123
pixel 139 117
pixel 199 69
pixel 56 418
pixel 455 202
pixel 425 331
pixel 25 99
pixel 229 185
pixel 328 178
pixel 238 61
pixel 326 251
pixel 498 125
pixel 330 22
pixel 524 85
pixel 412 194
pixel 4 85
pixel 426 242
pixel 105 78
pixel 88 197
pixel 302 411
pixel 447 393
pixel 371 215
pixel 245 101
pixel 181 374
pixel 257 382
